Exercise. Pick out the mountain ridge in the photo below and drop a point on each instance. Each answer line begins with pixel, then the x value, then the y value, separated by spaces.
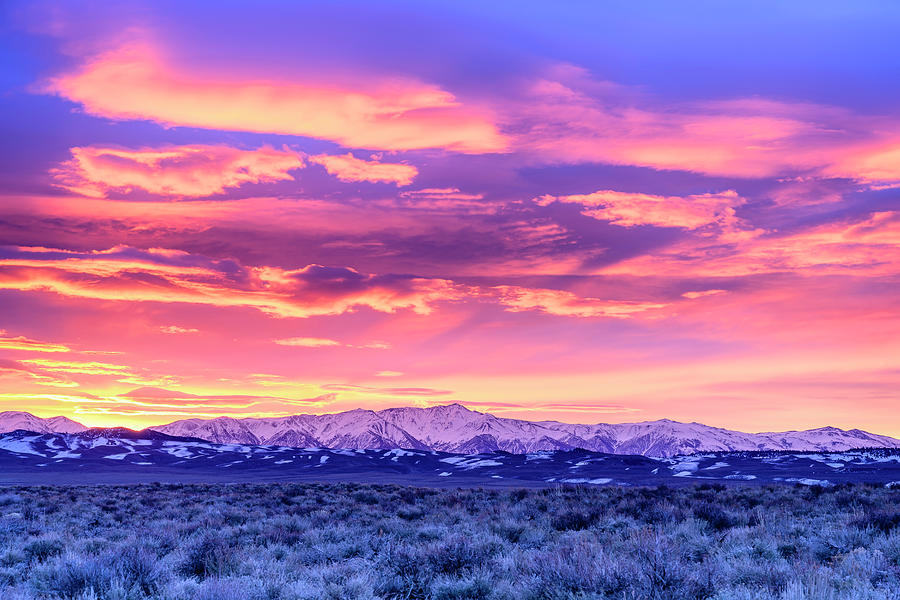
pixel 11 420
pixel 457 429
pixel 120 455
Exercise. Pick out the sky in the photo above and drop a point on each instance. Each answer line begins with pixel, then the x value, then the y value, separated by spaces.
pixel 589 212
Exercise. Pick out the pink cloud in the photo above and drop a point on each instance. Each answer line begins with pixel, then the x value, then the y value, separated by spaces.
pixel 631 209
pixel 567 117
pixel 13 373
pixel 21 342
pixel 308 342
pixel 875 164
pixel 314 342
pixel 183 171
pixel 441 194
pixel 411 391
pixel 702 294
pixel 346 167
pixel 166 276
pixel 866 248
pixel 446 200
pixel 175 329
pixel 138 82
pixel 150 401
pixel 567 304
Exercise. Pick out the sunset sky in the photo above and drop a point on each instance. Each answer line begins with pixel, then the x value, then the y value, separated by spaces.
pixel 590 212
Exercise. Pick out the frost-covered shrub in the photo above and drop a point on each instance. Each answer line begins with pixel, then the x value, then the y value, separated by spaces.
pixel 883 520
pixel 366 542
pixel 211 555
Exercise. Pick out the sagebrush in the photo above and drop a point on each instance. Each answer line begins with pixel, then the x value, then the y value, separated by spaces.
pixel 346 541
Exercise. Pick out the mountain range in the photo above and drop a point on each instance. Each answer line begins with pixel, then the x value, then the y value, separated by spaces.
pixel 455 429
pixel 118 455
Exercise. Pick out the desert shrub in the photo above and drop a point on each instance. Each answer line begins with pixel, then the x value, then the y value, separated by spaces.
pixel 366 497
pixel 410 514
pixel 42 549
pixel 883 521
pixel 365 542
pixel 468 588
pixel 788 550
pixel 139 570
pixel 210 556
pixel 509 530
pixel 73 577
pixel 9 499
pixel 717 517
pixel 573 520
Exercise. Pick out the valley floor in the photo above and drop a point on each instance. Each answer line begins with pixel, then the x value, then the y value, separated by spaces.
pixel 349 541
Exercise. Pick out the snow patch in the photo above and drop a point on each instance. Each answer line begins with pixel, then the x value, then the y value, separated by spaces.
pixel 717 465
pixel 597 481
pixel 396 452
pixel 118 456
pixel 808 481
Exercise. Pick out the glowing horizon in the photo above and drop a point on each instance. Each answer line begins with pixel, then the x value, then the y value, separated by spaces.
pixel 574 213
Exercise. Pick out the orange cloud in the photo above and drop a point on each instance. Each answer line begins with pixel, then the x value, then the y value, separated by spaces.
pixel 308 342
pixel 138 82
pixel 24 343
pixel 149 405
pixel 158 275
pixel 314 342
pixel 630 209
pixel 567 304
pixel 175 329
pixel 78 367
pixel 347 167
pixel 411 391
pixel 17 372
pixel 186 171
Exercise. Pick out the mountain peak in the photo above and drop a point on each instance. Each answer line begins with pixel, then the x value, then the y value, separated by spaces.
pixel 15 419
pixel 453 407
pixel 455 428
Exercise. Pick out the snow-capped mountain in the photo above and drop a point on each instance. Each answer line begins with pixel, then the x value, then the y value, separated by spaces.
pixel 13 420
pixel 123 456
pixel 454 428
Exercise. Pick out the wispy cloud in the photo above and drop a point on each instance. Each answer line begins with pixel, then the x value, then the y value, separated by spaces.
pixel 347 167
pixel 386 391
pixel 631 209
pixel 21 342
pixel 175 329
pixel 567 304
pixel 158 275
pixel 181 171
pixel 308 342
pixel 314 342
